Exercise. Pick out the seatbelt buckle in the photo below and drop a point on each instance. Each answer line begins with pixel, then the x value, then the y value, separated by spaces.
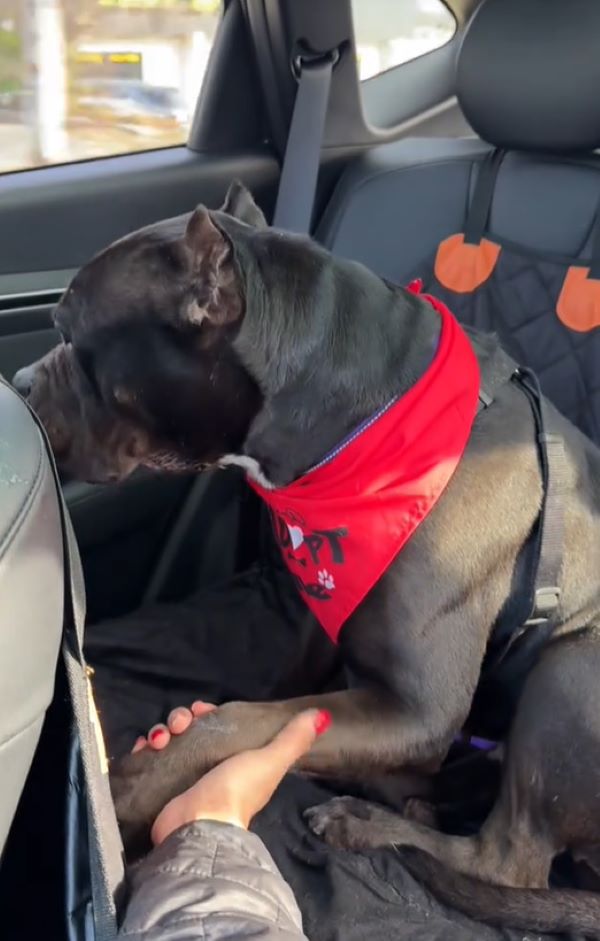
pixel 545 605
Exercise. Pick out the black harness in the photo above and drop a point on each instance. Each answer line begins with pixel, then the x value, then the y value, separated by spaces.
pixel 530 616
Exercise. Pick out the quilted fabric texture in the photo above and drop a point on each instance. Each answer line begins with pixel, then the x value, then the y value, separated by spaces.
pixel 518 304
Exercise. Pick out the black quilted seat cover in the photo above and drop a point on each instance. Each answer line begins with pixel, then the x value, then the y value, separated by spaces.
pixel 518 304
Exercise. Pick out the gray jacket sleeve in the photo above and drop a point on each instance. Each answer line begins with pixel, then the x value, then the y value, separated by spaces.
pixel 214 881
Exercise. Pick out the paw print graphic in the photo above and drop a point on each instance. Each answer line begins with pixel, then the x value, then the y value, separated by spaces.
pixel 326 579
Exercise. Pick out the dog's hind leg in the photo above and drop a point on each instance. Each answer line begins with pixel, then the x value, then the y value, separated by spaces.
pixel 508 850
pixel 519 857
pixel 550 794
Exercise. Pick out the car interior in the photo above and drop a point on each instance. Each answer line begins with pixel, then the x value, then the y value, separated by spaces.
pixel 515 89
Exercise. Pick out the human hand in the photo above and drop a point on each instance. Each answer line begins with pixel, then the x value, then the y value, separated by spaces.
pixel 240 787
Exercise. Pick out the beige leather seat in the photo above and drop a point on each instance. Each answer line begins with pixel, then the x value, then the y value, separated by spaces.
pixel 31 596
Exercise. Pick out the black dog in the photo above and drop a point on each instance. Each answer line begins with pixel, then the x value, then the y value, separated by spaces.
pixel 213 339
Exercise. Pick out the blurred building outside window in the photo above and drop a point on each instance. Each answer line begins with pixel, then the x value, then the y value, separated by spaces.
pixel 81 79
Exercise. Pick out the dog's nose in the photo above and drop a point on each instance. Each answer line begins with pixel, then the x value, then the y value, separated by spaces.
pixel 23 380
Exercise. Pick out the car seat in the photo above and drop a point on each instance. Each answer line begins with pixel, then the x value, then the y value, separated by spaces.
pixel 55 799
pixel 31 596
pixel 503 228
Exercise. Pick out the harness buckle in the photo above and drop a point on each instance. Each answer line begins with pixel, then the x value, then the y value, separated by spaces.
pixel 546 602
pixel 548 437
pixel 485 399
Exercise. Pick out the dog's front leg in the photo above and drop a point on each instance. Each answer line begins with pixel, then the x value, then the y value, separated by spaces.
pixel 369 732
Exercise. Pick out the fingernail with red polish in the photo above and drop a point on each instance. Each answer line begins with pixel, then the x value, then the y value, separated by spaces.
pixel 322 721
pixel 158 733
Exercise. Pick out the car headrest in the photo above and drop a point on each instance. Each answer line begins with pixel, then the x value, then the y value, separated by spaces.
pixel 528 74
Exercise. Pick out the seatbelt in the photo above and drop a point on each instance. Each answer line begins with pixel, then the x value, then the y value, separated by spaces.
pixel 300 168
pixel 106 866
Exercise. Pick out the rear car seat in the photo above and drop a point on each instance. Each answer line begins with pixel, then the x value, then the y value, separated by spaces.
pixel 527 80
pixel 31 596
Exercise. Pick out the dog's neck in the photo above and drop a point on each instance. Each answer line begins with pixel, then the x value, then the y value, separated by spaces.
pixel 329 370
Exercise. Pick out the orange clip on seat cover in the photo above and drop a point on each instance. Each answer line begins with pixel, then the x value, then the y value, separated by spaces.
pixel 578 306
pixel 462 267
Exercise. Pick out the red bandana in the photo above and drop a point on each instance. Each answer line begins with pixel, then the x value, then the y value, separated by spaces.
pixel 342 524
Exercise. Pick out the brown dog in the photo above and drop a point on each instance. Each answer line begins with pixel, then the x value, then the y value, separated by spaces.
pixel 213 339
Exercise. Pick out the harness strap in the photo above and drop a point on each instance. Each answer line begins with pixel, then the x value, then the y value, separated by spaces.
pixel 531 614
pixel 495 373
pixel 545 598
pixel 529 624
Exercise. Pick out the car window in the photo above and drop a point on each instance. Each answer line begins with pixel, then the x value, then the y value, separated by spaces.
pixel 81 79
pixel 391 32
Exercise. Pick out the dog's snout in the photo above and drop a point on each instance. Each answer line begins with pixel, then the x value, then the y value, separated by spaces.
pixel 23 380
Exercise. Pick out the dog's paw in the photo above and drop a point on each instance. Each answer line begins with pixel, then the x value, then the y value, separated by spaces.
pixel 142 783
pixel 137 788
pixel 350 823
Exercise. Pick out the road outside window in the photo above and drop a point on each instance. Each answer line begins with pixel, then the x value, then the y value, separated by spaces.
pixel 81 79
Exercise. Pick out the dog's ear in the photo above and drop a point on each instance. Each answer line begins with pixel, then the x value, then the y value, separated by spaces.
pixel 240 204
pixel 216 294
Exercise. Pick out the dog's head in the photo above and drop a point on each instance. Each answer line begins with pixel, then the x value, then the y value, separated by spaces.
pixel 147 373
